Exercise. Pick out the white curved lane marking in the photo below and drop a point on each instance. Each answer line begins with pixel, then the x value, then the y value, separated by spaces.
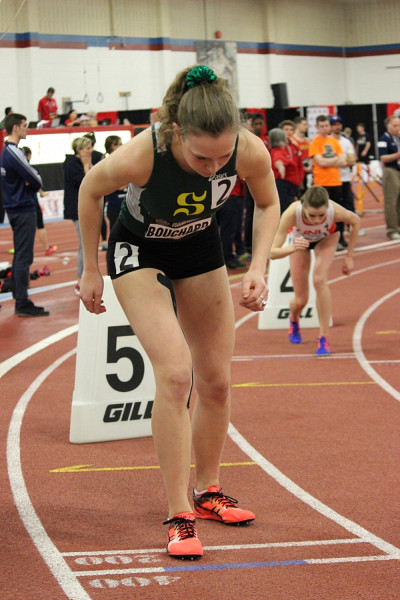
pixel 358 351
pixel 50 553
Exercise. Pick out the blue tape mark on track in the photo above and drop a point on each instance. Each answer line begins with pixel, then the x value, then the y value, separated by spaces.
pixel 252 565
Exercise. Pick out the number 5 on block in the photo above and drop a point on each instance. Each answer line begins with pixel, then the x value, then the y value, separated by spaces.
pixel 114 379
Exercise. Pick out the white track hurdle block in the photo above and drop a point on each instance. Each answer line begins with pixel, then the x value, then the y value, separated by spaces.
pixel 114 379
pixel 276 314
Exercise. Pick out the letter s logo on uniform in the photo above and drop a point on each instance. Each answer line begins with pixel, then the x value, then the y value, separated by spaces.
pixel 182 200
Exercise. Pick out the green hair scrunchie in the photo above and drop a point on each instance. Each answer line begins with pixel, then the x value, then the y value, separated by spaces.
pixel 199 74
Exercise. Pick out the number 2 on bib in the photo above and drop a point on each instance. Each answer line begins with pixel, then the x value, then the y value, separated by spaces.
pixel 221 190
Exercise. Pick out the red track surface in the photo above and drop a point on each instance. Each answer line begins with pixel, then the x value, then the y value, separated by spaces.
pixel 313 449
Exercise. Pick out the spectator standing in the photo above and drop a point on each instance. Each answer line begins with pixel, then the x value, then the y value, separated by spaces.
pixel 97 157
pixel 288 127
pixel 47 107
pixel 41 230
pixel 348 133
pixel 389 153
pixel 75 168
pixel 257 125
pixel 285 165
pixel 346 173
pixel 7 111
pixel 230 218
pixel 363 143
pixel 2 211
pixel 20 182
pixel 328 157
pixel 301 141
pixel 114 200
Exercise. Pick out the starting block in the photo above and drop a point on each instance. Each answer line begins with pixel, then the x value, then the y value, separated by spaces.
pixel 276 313
pixel 114 380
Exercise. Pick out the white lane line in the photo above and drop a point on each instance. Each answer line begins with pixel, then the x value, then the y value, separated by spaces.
pixel 225 547
pixel 358 351
pixel 384 362
pixel 305 497
pixel 149 570
pixel 45 288
pixel 365 270
pixel 353 559
pixel 49 552
pixel 15 360
pixel 296 490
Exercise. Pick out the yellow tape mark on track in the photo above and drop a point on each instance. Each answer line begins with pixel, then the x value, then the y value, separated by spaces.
pixel 389 332
pixel 90 468
pixel 252 384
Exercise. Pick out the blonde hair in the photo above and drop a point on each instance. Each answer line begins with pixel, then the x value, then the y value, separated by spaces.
pixel 80 143
pixel 316 196
pixel 208 107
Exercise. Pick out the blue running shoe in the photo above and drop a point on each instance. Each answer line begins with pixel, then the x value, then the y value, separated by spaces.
pixel 323 346
pixel 294 332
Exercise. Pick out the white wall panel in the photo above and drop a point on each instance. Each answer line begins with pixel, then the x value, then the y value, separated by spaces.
pixel 28 72
pixel 370 81
pixel 254 81
pixel 146 74
pixel 310 80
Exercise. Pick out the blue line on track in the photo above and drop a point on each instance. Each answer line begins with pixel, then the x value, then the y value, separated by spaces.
pixel 253 565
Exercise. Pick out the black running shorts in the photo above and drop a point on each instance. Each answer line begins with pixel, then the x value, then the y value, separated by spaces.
pixel 177 259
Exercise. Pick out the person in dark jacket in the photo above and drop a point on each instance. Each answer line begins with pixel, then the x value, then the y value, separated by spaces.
pixel 114 200
pixel 75 168
pixel 97 157
pixel 20 183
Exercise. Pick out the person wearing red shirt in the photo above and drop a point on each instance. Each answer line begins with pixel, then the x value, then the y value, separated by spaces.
pixel 73 119
pixel 301 141
pixel 47 107
pixel 288 127
pixel 285 166
pixel 256 124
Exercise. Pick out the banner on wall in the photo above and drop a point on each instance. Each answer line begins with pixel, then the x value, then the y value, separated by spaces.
pixel 221 58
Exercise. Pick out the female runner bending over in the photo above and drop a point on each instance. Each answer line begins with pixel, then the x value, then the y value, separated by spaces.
pixel 165 245
pixel 311 226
